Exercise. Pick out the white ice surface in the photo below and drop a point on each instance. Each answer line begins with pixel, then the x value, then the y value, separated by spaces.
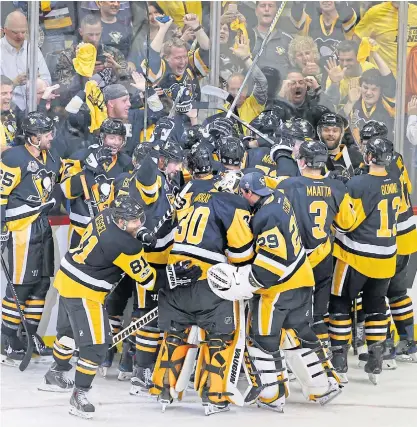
pixel 393 403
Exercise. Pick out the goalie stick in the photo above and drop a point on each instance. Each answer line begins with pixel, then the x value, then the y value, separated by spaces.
pixel 257 56
pixel 29 350
pixel 87 195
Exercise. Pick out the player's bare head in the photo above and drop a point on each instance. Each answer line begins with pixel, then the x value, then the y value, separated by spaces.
pixel 234 83
pixel 297 87
pixel 302 50
pixel 6 89
pixel 90 29
pixel 109 9
pixel 265 12
pixel 371 90
pixel 175 53
pixel 15 28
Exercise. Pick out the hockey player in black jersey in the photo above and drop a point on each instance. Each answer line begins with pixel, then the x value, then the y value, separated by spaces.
pixel 110 246
pixel 279 285
pixel 28 174
pixel 215 228
pixel 318 203
pixel 231 152
pixel 342 160
pixel 97 166
pixel 366 257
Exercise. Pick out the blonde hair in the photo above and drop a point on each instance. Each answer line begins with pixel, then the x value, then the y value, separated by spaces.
pixel 302 43
pixel 174 42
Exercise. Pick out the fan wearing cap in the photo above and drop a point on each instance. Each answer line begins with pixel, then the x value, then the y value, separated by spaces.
pixel 111 246
pixel 279 283
pixel 319 203
pixel 28 174
pixel 366 255
pixel 98 165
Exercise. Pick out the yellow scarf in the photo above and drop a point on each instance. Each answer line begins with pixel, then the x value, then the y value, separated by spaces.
pixel 85 59
pixel 95 101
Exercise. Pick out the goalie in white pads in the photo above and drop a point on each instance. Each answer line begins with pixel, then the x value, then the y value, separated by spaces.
pixel 282 281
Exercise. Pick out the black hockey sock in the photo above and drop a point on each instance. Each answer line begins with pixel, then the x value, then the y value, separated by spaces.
pixel 148 341
pixel 376 325
pixel 402 313
pixel 62 355
pixel 10 316
pixel 85 373
pixel 340 329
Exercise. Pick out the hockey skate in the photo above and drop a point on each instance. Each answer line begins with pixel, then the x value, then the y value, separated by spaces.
pixel 80 406
pixel 11 353
pixel 334 390
pixel 141 381
pixel 360 338
pixel 406 349
pixel 277 405
pixel 373 366
pixel 213 408
pixel 108 361
pixel 126 362
pixel 40 347
pixel 55 380
pixel 165 398
pixel 339 361
pixel 388 362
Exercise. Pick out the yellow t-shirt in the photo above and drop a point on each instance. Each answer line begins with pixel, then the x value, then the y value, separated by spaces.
pixel 344 84
pixel 381 23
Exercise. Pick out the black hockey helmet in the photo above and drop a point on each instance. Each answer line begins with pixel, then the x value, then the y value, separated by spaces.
pixel 191 136
pixel 37 123
pixel 315 153
pixel 231 150
pixel 199 159
pixel 299 128
pixel 171 151
pixel 127 208
pixel 112 127
pixel 330 119
pixel 373 128
pixel 381 149
pixel 267 122
pixel 140 152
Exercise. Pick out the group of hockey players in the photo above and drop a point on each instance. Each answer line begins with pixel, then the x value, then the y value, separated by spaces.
pixel 258 259
pixel 255 253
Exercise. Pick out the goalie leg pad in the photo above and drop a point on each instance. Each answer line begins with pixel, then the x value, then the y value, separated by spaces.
pixel 214 361
pixel 312 367
pixel 170 361
pixel 268 373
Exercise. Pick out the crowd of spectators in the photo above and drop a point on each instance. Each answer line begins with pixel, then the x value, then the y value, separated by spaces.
pixel 323 55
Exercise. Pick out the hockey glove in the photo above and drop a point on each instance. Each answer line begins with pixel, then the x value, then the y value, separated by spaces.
pixel 163 129
pixel 97 158
pixel 182 274
pixel 220 127
pixel 4 236
pixel 339 175
pixel 147 238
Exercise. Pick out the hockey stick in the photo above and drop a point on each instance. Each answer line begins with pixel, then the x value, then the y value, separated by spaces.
pixel 354 326
pixel 87 195
pixel 168 213
pixel 134 326
pixel 257 56
pixel 348 162
pixel 177 98
pixel 148 37
pixel 29 350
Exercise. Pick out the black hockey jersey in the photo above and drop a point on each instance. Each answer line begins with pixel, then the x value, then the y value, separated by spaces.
pixel 281 261
pixel 200 185
pixel 259 158
pixel 99 186
pixel 26 185
pixel 214 229
pixel 370 244
pixel 337 162
pixel 96 265
pixel 318 203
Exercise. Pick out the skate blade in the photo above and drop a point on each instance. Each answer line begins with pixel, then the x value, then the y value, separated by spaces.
pixel 389 365
pixel 278 408
pixel 374 378
pixel 52 388
pixel 324 400
pixel 136 390
pixel 407 358
pixel 102 370
pixel 164 404
pixel 81 414
pixel 212 409
pixel 10 362
pixel 291 377
pixel 124 376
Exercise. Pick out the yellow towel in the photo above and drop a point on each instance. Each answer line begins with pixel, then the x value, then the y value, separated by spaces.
pixel 365 48
pixel 95 101
pixel 238 26
pixel 85 60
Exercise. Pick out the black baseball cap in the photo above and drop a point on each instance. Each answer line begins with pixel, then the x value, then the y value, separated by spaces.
pixel 255 182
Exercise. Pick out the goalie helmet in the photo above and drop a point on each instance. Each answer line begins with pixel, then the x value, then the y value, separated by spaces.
pixel 37 124
pixel 299 129
pixel 140 152
pixel 171 151
pixel 231 151
pixel 314 153
pixel 126 208
pixel 229 182
pixel 373 128
pixel 381 150
pixel 199 160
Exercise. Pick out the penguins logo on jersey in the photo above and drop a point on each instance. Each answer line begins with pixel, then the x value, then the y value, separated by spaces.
pixel 101 191
pixel 116 36
pixel 44 182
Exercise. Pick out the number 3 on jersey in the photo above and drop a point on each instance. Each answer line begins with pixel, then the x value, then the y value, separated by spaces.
pixel 318 208
pixel 191 228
